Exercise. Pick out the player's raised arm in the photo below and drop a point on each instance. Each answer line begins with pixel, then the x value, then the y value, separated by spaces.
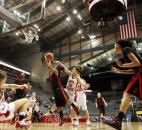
pixel 67 71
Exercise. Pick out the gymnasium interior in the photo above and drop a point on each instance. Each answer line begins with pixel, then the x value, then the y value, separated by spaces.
pixel 77 33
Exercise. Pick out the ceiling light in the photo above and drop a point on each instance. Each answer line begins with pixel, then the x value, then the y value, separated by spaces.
pixel 74 11
pixel 15 11
pixel 59 8
pixel 39 29
pixel 92 36
pixel 13 67
pixel 36 26
pixel 120 17
pixel 68 18
pixel 79 31
pixel 79 17
pixel 17 33
pixel 18 13
pixel 110 58
pixel 24 17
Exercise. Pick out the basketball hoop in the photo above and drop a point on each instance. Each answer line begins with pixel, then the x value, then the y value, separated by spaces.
pixel 30 33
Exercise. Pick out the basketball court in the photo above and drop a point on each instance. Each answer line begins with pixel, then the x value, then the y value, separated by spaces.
pixel 55 126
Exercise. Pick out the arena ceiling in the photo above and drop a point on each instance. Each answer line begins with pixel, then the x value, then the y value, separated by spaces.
pixel 62 19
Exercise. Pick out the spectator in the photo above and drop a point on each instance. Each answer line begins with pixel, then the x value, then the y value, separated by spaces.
pixel 36 114
pixel 20 81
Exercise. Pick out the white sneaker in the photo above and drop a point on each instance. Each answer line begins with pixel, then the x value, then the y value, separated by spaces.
pixel 75 122
pixel 88 123
pixel 23 124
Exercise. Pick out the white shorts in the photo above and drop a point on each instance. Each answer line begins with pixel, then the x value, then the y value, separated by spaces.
pixel 71 94
pixel 81 100
pixel 31 110
pixel 11 109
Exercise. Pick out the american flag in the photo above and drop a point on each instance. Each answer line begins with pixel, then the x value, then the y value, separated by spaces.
pixel 128 29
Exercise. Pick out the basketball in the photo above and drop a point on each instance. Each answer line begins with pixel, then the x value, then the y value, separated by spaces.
pixel 50 56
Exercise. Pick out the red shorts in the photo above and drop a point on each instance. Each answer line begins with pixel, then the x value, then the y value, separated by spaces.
pixel 135 85
pixel 101 110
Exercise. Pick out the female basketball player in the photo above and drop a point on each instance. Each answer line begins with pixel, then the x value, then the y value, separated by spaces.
pixel 7 110
pixel 73 80
pixel 60 95
pixel 32 103
pixel 132 64
pixel 100 104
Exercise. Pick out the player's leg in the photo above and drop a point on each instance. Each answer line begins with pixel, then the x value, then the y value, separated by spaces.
pixel 22 106
pixel 83 102
pixel 123 109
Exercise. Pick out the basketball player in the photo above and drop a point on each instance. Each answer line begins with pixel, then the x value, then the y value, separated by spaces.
pixel 32 101
pixel 100 104
pixel 36 112
pixel 60 95
pixel 131 64
pixel 81 99
pixel 7 110
pixel 21 93
pixel 73 80
pixel 4 85
pixel 20 81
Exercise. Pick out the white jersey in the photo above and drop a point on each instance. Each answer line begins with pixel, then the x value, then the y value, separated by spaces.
pixel 6 111
pixel 70 87
pixel 80 88
pixel 81 96
pixel 71 84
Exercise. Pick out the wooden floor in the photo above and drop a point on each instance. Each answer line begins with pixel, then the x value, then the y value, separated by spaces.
pixel 53 126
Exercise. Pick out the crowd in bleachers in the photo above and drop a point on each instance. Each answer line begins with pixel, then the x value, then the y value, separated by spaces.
pixel 44 101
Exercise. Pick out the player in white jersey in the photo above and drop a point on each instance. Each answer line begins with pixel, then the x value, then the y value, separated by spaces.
pixel 81 99
pixel 32 103
pixel 32 100
pixel 70 90
pixel 7 110
pixel 73 80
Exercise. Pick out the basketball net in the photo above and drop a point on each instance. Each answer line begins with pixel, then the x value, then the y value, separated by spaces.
pixel 30 34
